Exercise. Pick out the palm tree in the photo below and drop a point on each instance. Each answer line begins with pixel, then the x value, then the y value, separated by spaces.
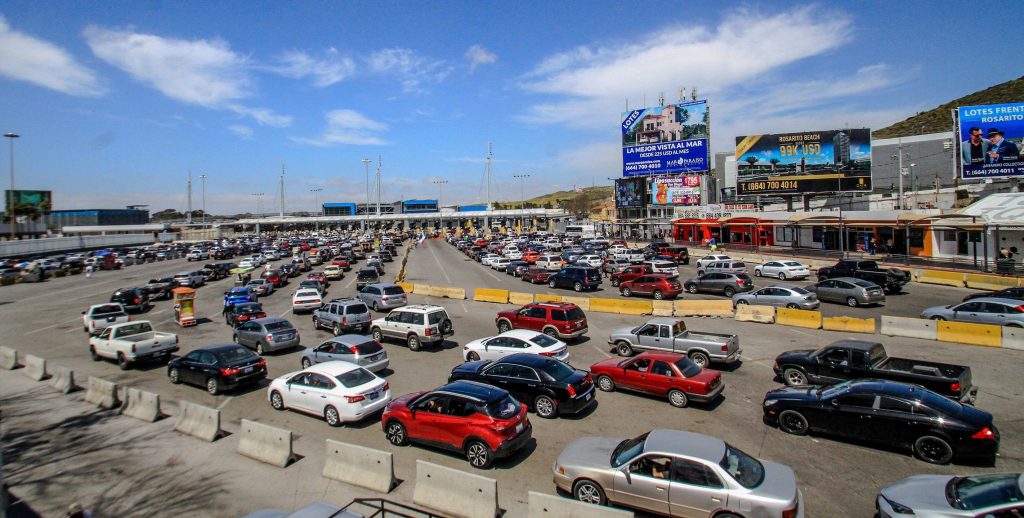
pixel 751 159
pixel 774 161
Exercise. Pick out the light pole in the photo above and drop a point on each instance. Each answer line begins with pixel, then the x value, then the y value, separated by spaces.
pixel 522 199
pixel 259 200
pixel 202 179
pixel 440 216
pixel 10 195
pixel 316 200
pixel 366 210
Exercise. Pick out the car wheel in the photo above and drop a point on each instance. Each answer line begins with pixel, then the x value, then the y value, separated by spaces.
pixel 615 282
pixel 123 362
pixel 700 273
pixel 691 288
pixel 605 383
pixel 316 323
pixel 793 422
pixel 174 376
pixel 757 272
pixel 337 329
pixel 742 302
pixel 552 332
pixel 276 401
pixel 472 356
pixel 395 433
pixel 479 455
pixel 551 284
pixel 933 450
pixel 658 295
pixel 92 353
pixel 782 276
pixel 729 291
pixel 624 349
pixel 852 302
pixel 414 343
pixel 377 334
pixel 504 326
pixel 331 416
pixel 577 286
pixel 445 327
pixel 792 306
pixel 306 363
pixel 259 348
pixel 793 377
pixel 700 358
pixel 677 398
pixel 589 492
pixel 545 407
pixel 213 386
pixel 936 317
pixel 625 292
pixel 375 306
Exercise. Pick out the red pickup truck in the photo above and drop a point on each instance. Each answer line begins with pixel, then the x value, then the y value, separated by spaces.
pixel 630 273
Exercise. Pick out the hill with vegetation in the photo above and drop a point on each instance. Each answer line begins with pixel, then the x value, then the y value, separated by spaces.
pixel 938 119
pixel 579 203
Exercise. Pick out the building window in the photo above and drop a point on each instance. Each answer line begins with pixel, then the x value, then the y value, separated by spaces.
pixel 949 235
pixel 787 234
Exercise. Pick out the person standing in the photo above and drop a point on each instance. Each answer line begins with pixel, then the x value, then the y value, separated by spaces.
pixel 974 150
pixel 88 271
pixel 1001 150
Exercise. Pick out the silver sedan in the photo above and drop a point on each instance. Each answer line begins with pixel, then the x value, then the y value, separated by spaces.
pixel 929 496
pixel 984 310
pixel 783 270
pixel 848 290
pixel 780 296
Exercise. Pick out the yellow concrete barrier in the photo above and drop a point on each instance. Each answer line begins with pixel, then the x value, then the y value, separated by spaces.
pixel 421 289
pixel 798 318
pixel 980 281
pixel 490 295
pixel 974 334
pixel 519 298
pixel 703 308
pixel 547 297
pixel 663 308
pixel 621 306
pixel 760 314
pixel 941 277
pixel 849 324
pixel 582 302
pixel 406 286
pixel 455 293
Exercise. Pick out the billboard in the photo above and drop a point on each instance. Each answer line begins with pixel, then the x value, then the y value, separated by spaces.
pixel 665 139
pixel 630 192
pixel 991 140
pixel 804 163
pixel 675 190
pixel 29 203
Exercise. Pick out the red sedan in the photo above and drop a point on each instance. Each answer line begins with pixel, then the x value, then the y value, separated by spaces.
pixel 319 276
pixel 662 374
pixel 536 275
pixel 659 285
pixel 342 262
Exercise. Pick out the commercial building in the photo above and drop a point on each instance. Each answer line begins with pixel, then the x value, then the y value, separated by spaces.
pixel 419 206
pixel 338 209
pixel 59 219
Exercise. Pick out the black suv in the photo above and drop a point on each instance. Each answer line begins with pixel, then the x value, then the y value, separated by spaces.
pixel 133 299
pixel 577 278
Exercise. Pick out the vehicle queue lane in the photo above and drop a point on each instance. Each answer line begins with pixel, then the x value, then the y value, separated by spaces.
pixel 822 464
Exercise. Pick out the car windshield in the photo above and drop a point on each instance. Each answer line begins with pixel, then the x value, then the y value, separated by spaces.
pixel 793 264
pixel 864 284
pixel 981 491
pixel 504 408
pixel 557 370
pixel 687 367
pixel 366 274
pixel 544 340
pixel 743 468
pixel 307 293
pixel 235 354
pixel 355 377
pixel 279 325
pixel 393 290
pixel 833 390
pixel 248 309
pixel 628 449
pixel 106 309
pixel 575 314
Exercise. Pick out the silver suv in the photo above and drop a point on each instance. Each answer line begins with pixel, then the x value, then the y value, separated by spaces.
pixel 728 266
pixel 383 295
pixel 415 325
pixel 267 334
pixel 342 315
pixel 360 350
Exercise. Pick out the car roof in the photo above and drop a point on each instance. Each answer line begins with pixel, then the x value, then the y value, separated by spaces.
pixel 270 320
pixel 669 357
pixel 332 368
pixel 524 334
pixel 420 307
pixel 473 390
pixel 552 305
pixel 666 321
pixel 861 345
pixel 349 339
pixel 1000 300
pixel 219 348
pixel 687 444
pixel 527 359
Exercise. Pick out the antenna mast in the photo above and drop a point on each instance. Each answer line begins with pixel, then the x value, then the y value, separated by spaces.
pixel 188 215
pixel 488 175
pixel 282 191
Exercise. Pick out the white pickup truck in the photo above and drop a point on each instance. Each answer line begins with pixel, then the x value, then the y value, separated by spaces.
pixel 133 342
pixel 101 316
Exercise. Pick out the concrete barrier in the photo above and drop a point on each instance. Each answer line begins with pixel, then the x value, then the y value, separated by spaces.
pixel 942 277
pixel 760 314
pixel 549 506
pixel 980 281
pixel 703 308
pixel 663 308
pixel 582 302
pixel 101 393
pixel 798 318
pixel 421 289
pixel 8 358
pixel 547 297
pixel 455 492
pixel 360 466
pixel 849 324
pixel 142 405
pixel 967 333
pixel 515 297
pixel 437 291
pixel 198 421
pixel 455 293
pixel 1013 338
pixel 909 327
pixel 265 443
pixel 621 306
pixel 406 286
pixel 35 367
pixel 64 380
pixel 490 295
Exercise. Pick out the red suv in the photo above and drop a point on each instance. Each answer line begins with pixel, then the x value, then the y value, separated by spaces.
pixel 560 320
pixel 274 277
pixel 659 285
pixel 342 262
pixel 480 421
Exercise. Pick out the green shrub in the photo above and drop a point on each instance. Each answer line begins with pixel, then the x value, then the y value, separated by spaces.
pixel 59 273
pixel 7 281
pixel 75 271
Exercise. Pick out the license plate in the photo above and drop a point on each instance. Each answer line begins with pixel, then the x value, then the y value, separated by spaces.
pixel 520 427
pixel 247 370
pixel 373 395
pixel 587 397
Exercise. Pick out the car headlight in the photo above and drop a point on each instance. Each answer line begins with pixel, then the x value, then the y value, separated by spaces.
pixel 770 402
pixel 898 508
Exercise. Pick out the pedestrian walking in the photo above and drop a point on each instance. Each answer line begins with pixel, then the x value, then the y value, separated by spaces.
pixel 88 271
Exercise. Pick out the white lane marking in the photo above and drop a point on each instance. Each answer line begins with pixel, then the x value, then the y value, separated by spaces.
pixel 464 308
pixel 439 267
pixel 225 403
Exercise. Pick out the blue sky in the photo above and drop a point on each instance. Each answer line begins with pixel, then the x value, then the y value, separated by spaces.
pixel 116 101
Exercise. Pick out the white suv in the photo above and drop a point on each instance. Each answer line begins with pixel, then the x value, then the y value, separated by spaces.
pixel 704 261
pixel 416 324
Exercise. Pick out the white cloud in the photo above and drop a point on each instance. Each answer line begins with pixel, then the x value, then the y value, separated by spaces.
pixel 325 71
pixel 413 70
pixel 477 55
pixel 348 127
pixel 242 131
pixel 27 58
pixel 264 116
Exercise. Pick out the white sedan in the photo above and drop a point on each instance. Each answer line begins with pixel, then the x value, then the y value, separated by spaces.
pixel 339 391
pixel 486 260
pixel 783 270
pixel 591 260
pixel 306 300
pixel 515 341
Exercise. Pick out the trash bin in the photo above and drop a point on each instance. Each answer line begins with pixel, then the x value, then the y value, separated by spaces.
pixel 1004 266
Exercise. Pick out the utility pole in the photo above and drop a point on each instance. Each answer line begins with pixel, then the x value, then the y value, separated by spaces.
pixel 900 153
pixel 487 221
pixel 188 214
pixel 10 197
pixel 522 199
pixel 202 178
pixel 366 210
pixel 316 200
pixel 282 191
pixel 380 163
pixel 259 209
pixel 440 215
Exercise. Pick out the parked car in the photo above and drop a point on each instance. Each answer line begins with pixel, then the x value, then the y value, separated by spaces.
pixel 319 276
pixel 514 342
pixel 658 285
pixel 342 316
pixel 612 265
pixel 333 273
pixel 306 300
pixel 634 255
pixel 848 290
pixel 310 284
pixel 366 277
pixel 500 263
pixel 989 495
pixel 577 278
pixel 243 312
pixel 341 392
pixel 261 287
pixel 132 299
pixel 703 474
pixel 275 277
pixel 548 262
pixel 629 273
pixel 662 265
pixel 240 295
pixel 1002 312
pixel 549 386
pixel 480 421
pixel 561 320
pixel 898 415
pixel 189 279
pixel 890 279
pixel 383 295
pixel 727 284
pixel 132 342
pixel 356 349
pixel 536 275
pixel 516 267
pixel 415 325
pixel 1008 293
pixel 680 253
pixel 670 334
pixel 267 334
pixel 783 270
pixel 704 261
pixel 856 359
pixel 670 375
pixel 160 288
pixel 730 266
pixel 218 368
pixel 101 316
pixel 792 297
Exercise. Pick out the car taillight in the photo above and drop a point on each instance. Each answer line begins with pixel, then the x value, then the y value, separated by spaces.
pixel 129 318
pixel 792 512
pixel 427 332
pixel 385 387
pixel 344 321
pixel 354 399
pixel 316 301
pixel 133 347
pixel 1020 309
pixel 572 391
pixel 548 353
pixel 270 338
pixel 984 433
pixel 809 297
pixel 725 347
pixel 262 362
pixel 137 300
pixel 229 371
pixel 955 388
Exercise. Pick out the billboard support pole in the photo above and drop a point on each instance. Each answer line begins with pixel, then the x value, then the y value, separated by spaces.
pixel 10 198
pixel 899 150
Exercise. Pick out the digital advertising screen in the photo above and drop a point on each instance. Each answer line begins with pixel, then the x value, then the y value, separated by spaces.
pixel 665 139
pixel 810 162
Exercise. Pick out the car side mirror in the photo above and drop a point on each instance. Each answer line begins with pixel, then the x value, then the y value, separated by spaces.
pixel 835 402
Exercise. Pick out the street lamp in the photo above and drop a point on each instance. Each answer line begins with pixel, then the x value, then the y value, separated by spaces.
pixel 10 195
pixel 366 210
pixel 440 216
pixel 202 179
pixel 522 199
pixel 316 200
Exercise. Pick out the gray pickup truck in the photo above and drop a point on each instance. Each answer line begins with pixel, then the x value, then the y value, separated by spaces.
pixel 670 334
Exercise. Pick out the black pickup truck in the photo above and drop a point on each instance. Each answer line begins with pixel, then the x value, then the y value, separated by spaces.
pixel 856 359
pixel 890 279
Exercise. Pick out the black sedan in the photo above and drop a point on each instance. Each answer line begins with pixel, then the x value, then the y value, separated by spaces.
pixel 237 314
pixel 895 414
pixel 218 368
pixel 1008 293
pixel 548 386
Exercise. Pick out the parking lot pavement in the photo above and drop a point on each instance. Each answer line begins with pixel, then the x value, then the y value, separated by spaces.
pixel 822 464
pixel 915 297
